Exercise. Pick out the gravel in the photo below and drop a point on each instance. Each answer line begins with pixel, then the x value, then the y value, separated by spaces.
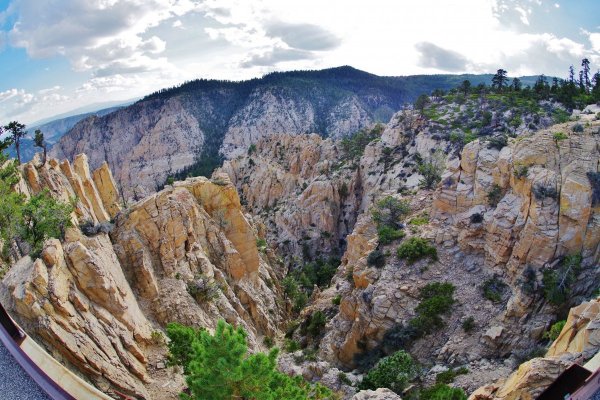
pixel 15 384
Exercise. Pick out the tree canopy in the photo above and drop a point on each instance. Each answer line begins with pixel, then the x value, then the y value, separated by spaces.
pixel 218 366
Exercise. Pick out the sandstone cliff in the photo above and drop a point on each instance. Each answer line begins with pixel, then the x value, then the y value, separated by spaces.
pixel 190 125
pixel 578 342
pixel 98 302
pixel 292 184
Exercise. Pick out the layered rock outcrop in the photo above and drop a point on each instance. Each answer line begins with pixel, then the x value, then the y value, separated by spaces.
pixel 164 133
pixel 292 183
pixel 186 254
pixel 578 341
pixel 545 187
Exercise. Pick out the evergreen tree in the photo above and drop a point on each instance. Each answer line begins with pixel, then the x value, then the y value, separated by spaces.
pixel 17 132
pixel 596 87
pixel 516 84
pixel 11 203
pixel 571 74
pixel 465 87
pixel 39 142
pixel 585 74
pixel 500 80
pixel 555 85
pixel 44 218
pixel 218 367
pixel 421 103
pixel 541 88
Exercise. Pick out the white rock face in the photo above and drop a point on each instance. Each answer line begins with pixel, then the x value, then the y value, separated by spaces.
pixel 186 254
pixel 379 394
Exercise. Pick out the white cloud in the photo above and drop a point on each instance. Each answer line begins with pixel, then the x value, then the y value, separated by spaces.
pixel 595 40
pixel 127 48
pixel 17 102
pixel 48 90
pixel 92 33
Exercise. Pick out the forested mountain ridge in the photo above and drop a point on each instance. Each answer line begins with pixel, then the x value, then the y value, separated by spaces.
pixel 189 128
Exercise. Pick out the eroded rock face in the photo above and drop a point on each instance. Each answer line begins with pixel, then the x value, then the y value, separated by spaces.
pixel 577 342
pixel 194 234
pixel 581 333
pixel 544 204
pixel 292 185
pixel 186 254
pixel 142 144
pixel 160 135
pixel 379 394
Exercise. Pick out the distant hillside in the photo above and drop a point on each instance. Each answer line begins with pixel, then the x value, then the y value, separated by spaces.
pixel 53 131
pixel 190 127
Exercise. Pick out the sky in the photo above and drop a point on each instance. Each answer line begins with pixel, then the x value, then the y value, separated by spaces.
pixel 61 55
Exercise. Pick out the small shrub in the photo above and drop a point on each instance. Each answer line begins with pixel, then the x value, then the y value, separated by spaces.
pixel 521 171
pixel 560 116
pixel 291 346
pixel 493 289
pixel 418 221
pixel 268 342
pixel 557 282
pixel 577 128
pixel 448 376
pixel 388 211
pixel 541 191
pixel 442 392
pixel 528 281
pixel 376 259
pixel 559 136
pixel 291 328
pixel 343 190
pixel 432 174
pixel 314 324
pixel 388 234
pixel 468 324
pixel 476 218
pixel 343 378
pixel 353 146
pixel 416 248
pixel 157 337
pixel 261 244
pixel 393 372
pixel 436 299
pixel 170 180
pixel 251 149
pixel 497 142
pixel 203 290
pixel 337 300
pixel 494 195
pixel 555 330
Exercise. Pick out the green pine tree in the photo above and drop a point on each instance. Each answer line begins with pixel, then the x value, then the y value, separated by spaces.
pixel 219 367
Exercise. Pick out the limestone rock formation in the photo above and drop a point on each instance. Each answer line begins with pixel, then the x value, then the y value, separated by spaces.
pixel 278 175
pixel 186 254
pixel 379 394
pixel 292 185
pixel 577 342
pixel 190 253
pixel 170 130
pixel 544 191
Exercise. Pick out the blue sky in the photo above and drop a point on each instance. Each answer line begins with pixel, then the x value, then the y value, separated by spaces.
pixel 60 55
